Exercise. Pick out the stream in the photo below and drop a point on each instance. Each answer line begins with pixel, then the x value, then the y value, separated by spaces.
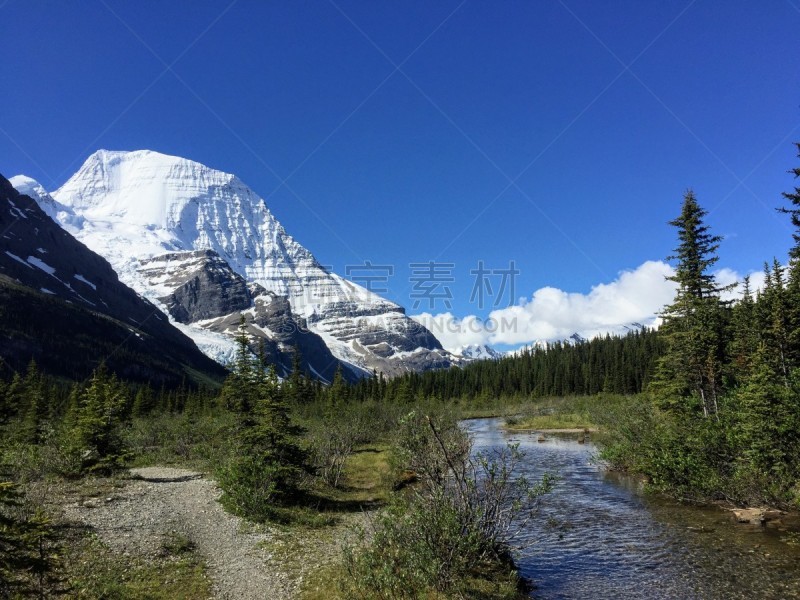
pixel 598 536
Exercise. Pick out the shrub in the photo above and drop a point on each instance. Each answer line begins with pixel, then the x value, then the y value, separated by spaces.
pixel 461 516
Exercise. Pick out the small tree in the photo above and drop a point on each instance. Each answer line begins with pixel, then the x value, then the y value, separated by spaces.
pixel 745 340
pixel 269 462
pixel 337 393
pixel 30 552
pixel 11 540
pixel 36 420
pixel 237 392
pixel 775 307
pixel 96 433
pixel 794 212
pixel 296 388
pixel 144 402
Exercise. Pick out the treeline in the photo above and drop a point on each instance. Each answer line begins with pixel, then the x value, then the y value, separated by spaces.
pixel 611 364
pixel 35 405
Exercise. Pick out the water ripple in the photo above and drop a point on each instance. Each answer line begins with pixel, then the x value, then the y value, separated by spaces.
pixel 597 537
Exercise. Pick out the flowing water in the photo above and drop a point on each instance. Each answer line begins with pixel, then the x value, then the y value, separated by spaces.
pixel 598 536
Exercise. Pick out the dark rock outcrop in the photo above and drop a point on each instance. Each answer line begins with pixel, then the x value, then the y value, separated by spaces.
pixel 207 292
pixel 204 286
pixel 275 330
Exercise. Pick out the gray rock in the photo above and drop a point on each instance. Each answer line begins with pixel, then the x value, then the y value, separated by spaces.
pixel 205 286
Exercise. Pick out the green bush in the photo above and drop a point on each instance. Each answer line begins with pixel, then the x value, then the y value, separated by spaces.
pixel 456 522
pixel 416 545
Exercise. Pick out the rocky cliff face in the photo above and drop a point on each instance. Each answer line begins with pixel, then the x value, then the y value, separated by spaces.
pixel 198 285
pixel 201 289
pixel 154 217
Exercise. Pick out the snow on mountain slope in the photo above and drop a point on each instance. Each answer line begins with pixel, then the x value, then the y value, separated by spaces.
pixel 133 206
pixel 53 209
pixel 478 352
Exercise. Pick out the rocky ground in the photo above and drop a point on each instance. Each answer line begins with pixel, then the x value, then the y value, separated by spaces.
pixel 137 516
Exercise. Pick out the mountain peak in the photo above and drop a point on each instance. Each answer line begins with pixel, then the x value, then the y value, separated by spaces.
pixel 131 207
pixel 479 352
pixel 141 187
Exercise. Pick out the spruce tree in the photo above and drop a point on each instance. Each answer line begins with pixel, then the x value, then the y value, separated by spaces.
pixel 12 546
pixel 337 393
pixel 98 420
pixel 775 307
pixel 745 333
pixel 144 402
pixel 30 552
pixel 794 212
pixel 793 283
pixel 237 392
pixel 35 422
pixel 764 431
pixel 296 387
pixel 12 399
pixel 269 462
pixel 689 375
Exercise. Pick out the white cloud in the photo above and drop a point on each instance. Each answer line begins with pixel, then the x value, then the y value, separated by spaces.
pixel 635 296
pixel 452 332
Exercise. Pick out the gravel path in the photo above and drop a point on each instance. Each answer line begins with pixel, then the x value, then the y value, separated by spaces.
pixel 139 517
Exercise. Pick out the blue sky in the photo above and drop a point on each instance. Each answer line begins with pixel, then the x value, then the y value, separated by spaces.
pixel 557 134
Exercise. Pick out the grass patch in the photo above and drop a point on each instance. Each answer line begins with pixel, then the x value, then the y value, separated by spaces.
pixel 368 480
pixel 572 412
pixel 177 574
pixel 497 581
pixel 557 421
pixel 368 473
pixel 489 582
pixel 311 536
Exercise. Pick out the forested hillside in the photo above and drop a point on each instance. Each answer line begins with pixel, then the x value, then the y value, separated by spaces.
pixel 614 364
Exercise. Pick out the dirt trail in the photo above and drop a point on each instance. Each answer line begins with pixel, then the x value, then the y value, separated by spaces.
pixel 140 516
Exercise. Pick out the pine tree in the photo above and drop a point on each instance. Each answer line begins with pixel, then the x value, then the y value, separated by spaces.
pixel 794 212
pixel 296 387
pixel 30 552
pixel 35 423
pixel 143 402
pixel 690 372
pixel 12 400
pixel 745 340
pixel 793 284
pixel 269 462
pixel 764 413
pixel 99 416
pixel 775 314
pixel 337 393
pixel 237 392
pixel 12 548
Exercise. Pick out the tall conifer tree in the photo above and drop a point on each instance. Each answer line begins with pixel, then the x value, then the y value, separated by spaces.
pixel 690 373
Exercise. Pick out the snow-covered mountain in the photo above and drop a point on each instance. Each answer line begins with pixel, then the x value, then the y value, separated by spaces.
pixel 153 217
pixel 479 352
